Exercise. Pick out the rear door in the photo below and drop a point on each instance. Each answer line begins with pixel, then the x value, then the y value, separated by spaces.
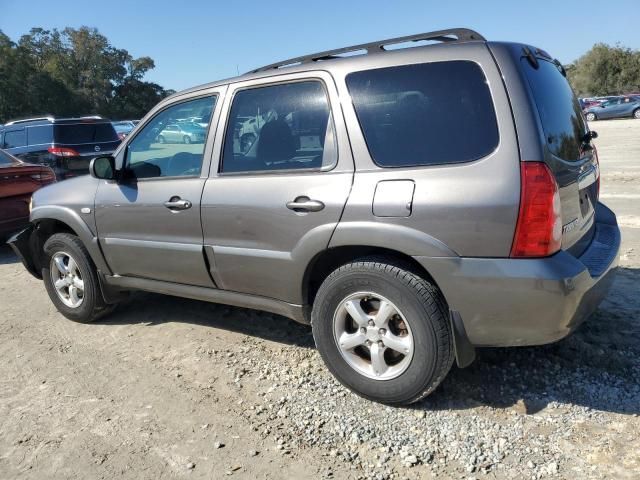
pixel 149 221
pixel 271 205
pixel 568 153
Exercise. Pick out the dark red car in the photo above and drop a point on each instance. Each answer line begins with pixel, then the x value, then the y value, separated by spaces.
pixel 18 180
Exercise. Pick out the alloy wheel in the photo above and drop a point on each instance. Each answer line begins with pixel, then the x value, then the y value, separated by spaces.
pixel 373 336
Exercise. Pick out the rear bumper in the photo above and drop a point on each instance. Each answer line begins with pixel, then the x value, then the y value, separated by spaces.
pixel 511 302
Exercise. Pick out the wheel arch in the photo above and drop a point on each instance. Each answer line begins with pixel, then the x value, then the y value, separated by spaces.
pixel 332 258
pixel 49 220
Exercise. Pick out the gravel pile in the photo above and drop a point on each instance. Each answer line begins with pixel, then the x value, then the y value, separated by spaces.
pixel 515 413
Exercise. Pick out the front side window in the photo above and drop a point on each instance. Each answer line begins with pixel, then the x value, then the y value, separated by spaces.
pixel 425 114
pixel 280 127
pixel 15 138
pixel 170 144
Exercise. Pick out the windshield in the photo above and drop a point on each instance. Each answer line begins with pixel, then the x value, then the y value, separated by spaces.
pixel 558 108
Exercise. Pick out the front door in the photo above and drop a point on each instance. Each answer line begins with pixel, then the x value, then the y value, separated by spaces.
pixel 149 221
pixel 273 203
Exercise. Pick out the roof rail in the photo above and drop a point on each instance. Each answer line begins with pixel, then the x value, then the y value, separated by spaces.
pixel 33 119
pixel 447 36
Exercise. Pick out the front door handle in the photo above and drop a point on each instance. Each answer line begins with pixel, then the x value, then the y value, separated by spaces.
pixel 176 203
pixel 305 204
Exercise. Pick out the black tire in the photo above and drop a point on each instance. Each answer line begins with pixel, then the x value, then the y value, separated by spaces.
pixel 591 117
pixel 93 306
pixel 161 139
pixel 425 311
pixel 186 139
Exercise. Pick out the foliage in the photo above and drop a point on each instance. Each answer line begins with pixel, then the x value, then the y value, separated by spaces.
pixel 72 72
pixel 606 70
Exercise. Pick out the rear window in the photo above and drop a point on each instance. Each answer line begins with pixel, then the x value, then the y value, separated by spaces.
pixel 425 114
pixel 559 110
pixel 78 133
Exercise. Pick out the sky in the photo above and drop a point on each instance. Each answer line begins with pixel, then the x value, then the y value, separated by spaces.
pixel 198 41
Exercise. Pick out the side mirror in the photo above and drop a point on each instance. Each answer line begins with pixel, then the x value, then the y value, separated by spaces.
pixel 103 168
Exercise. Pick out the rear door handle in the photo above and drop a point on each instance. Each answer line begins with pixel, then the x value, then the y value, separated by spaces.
pixel 176 203
pixel 305 204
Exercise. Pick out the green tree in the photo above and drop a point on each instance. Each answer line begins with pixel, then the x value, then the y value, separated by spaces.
pixel 606 70
pixel 72 72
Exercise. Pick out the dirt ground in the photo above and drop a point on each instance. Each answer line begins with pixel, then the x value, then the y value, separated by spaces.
pixel 169 387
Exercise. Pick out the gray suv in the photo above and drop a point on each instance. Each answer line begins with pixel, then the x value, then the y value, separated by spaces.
pixel 411 204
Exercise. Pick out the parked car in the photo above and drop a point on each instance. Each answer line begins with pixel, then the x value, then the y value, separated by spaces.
pixel 182 133
pixel 451 203
pixel 123 128
pixel 619 107
pixel 67 145
pixel 18 180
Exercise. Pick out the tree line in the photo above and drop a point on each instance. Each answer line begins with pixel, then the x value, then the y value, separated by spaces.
pixel 605 70
pixel 77 71
pixel 73 72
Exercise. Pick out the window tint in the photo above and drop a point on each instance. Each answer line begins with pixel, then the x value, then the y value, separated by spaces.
pixel 280 127
pixel 425 114
pixel 558 108
pixel 169 145
pixel 15 138
pixel 40 135
pixel 78 133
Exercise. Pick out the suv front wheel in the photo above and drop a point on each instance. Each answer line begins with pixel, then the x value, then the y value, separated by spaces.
pixel 71 279
pixel 383 331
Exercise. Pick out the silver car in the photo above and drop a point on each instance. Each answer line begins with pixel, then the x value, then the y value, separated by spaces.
pixel 182 133
pixel 410 204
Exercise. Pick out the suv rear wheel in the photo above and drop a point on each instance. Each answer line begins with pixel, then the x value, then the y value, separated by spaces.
pixel 383 331
pixel 71 279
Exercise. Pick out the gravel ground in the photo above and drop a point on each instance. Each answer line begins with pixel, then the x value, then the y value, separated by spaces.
pixel 169 387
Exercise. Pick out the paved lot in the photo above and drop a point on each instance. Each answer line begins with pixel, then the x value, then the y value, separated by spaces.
pixel 168 388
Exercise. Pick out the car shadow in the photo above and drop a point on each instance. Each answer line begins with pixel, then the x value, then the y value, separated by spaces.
pixel 136 310
pixel 6 255
pixel 598 367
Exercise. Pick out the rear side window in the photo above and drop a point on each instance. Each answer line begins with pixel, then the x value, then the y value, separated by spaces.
pixel 15 138
pixel 40 135
pixel 425 114
pixel 558 108
pixel 78 133
pixel 280 127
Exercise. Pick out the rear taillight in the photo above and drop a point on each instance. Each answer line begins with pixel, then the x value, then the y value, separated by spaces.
pixel 44 176
pixel 539 227
pixel 63 152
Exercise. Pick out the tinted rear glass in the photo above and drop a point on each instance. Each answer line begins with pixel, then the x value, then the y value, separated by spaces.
pixel 558 108
pixel 78 133
pixel 425 114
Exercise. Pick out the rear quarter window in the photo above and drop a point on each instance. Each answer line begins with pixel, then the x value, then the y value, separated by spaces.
pixel 558 108
pixel 425 114
pixel 40 135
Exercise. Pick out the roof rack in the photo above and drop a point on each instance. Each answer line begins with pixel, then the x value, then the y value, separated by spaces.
pixel 451 35
pixel 53 118
pixel 33 119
